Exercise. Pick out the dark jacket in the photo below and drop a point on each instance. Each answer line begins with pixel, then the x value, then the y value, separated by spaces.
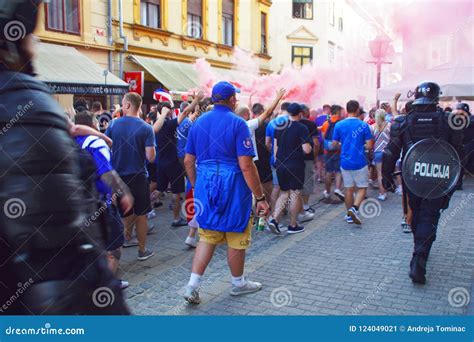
pixel 43 235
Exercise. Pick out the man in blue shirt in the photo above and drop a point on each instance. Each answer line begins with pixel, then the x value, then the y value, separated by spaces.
pixel 278 123
pixel 219 164
pixel 169 170
pixel 354 136
pixel 134 145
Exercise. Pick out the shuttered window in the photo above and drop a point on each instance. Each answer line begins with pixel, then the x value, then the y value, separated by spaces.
pixel 228 22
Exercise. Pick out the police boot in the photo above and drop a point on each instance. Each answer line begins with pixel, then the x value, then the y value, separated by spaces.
pixel 418 269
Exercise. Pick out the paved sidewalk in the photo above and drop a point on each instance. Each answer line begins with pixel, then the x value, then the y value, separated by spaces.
pixel 331 269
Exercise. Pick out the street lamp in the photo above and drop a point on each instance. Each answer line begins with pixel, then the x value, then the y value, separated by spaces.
pixel 378 49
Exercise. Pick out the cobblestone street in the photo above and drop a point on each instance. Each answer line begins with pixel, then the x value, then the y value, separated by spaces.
pixel 331 269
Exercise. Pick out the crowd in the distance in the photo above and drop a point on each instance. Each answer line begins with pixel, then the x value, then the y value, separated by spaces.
pixel 295 147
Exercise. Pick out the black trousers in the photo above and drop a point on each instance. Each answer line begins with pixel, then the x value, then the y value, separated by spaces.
pixel 424 225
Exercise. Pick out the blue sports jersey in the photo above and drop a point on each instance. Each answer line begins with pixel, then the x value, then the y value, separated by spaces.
pixel 352 133
pixel 131 135
pixel 100 152
pixel 218 139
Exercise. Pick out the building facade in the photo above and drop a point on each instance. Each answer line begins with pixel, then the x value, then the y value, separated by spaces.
pixel 333 36
pixel 161 38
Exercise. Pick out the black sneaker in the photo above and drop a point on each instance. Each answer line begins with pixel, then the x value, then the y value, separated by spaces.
pixel 295 230
pixel 273 225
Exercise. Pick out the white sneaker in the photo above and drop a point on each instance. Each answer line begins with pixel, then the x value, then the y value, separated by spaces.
pixel 192 295
pixel 248 287
pixel 305 217
pixel 325 194
pixel 339 194
pixel 124 284
pixel 382 197
pixel 191 241
pixel 151 215
pixel 399 190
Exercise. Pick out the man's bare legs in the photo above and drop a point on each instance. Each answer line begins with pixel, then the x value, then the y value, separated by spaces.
pixel 280 204
pixel 141 227
pixel 296 205
pixel 275 196
pixel 176 206
pixel 202 257
pixel 267 189
pixel 128 223
pixel 236 261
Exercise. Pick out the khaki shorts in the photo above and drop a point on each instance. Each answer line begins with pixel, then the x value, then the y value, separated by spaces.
pixel 359 178
pixel 233 240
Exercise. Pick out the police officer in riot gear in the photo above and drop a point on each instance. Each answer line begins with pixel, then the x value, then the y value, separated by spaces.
pixel 51 256
pixel 426 120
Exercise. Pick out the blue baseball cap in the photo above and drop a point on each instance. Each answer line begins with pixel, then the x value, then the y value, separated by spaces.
pixel 223 90
pixel 294 109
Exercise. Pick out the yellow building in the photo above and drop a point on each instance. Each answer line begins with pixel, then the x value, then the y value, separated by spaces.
pixel 162 38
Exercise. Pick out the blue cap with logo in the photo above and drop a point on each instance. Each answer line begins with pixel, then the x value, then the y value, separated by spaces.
pixel 223 90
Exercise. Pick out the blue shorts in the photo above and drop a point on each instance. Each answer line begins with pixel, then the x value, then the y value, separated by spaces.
pixel 332 162
pixel 378 156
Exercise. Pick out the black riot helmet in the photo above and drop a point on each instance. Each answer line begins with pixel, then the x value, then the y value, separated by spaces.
pixel 427 93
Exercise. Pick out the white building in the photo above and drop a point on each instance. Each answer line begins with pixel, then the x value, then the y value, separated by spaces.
pixel 332 35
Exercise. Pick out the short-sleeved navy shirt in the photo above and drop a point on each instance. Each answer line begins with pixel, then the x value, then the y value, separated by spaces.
pixel 220 135
pixel 289 143
pixel 166 149
pixel 131 135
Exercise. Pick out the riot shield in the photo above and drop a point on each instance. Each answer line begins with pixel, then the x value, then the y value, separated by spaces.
pixel 431 168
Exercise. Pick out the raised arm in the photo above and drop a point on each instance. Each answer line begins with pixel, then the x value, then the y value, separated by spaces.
pixel 160 119
pixel 77 130
pixel 190 108
pixel 279 95
pixel 395 103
